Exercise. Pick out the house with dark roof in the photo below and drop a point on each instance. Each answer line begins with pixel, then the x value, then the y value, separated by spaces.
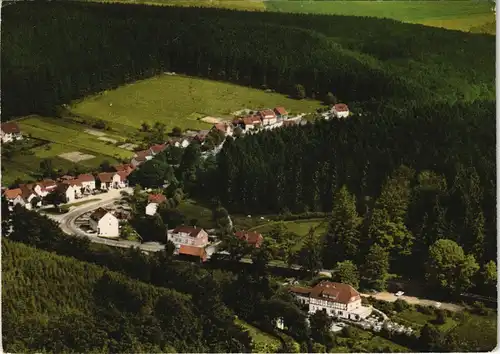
pixel 69 191
pixel 188 235
pixel 337 299
pixel 109 180
pixel 9 132
pixel 251 237
pixel 104 223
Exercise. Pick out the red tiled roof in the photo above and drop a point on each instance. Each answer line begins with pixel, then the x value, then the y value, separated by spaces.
pixel 251 120
pixel 287 123
pixel 341 107
pixel 12 193
pixel 330 291
pixel 10 128
pixel 221 126
pixel 158 148
pixel 47 183
pixel 123 167
pixel 193 251
pixel 141 155
pixel 105 177
pixel 281 111
pixel 86 178
pixel 192 231
pixel 267 114
pixel 252 237
pixel 156 198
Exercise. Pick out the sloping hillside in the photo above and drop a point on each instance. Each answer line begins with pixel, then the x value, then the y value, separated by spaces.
pixel 58 304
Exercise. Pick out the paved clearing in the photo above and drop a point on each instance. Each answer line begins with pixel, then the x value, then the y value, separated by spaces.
pixel 211 120
pixel 76 156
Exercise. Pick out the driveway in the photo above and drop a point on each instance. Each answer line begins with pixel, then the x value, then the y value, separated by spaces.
pixel 385 296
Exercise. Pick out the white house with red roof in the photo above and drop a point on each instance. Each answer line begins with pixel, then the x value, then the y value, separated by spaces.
pixel 281 112
pixel 267 116
pixel 225 128
pixel 88 181
pixel 77 186
pixel 153 201
pixel 140 157
pixel 340 110
pixel 188 235
pixel 337 299
pixel 9 132
pixel 104 223
pixel 109 180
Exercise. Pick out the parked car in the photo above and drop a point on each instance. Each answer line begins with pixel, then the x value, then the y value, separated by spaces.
pixel 400 293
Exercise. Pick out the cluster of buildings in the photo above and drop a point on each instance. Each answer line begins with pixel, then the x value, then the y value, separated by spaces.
pixel 9 132
pixel 71 187
pixel 191 242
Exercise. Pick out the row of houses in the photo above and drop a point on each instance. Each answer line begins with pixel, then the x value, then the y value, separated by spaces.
pixel 31 194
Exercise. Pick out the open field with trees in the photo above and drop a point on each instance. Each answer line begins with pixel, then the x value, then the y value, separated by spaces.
pixel 180 101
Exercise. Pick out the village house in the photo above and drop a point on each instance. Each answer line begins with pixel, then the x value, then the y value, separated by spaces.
pixel 23 196
pixel 44 187
pixel 251 122
pixel 198 254
pixel 340 110
pixel 127 167
pixel 153 201
pixel 201 135
pixel 87 181
pixel 267 116
pixel 104 223
pixel 337 299
pixel 77 186
pixel 109 180
pixel 156 149
pixel 281 112
pixel 189 236
pixel 140 157
pixel 68 191
pixel 178 142
pixel 251 237
pixel 225 128
pixel 9 132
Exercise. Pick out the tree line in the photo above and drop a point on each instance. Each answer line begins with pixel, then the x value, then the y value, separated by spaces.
pixel 47 61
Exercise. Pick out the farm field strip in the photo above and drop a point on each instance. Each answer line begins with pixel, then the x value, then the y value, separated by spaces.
pixel 70 138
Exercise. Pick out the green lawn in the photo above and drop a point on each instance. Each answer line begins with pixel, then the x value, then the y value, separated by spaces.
pixel 479 332
pixel 263 342
pixel 299 227
pixel 452 14
pixel 72 136
pixel 365 342
pixel 180 101
pixel 192 210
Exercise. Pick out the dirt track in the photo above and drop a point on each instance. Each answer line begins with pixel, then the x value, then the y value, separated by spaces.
pixel 385 296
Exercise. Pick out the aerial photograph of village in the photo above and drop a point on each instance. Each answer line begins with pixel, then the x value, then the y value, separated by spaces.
pixel 248 176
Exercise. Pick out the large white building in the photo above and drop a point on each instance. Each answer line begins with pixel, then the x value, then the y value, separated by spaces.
pixel 188 236
pixel 339 300
pixel 340 110
pixel 104 223
pixel 9 132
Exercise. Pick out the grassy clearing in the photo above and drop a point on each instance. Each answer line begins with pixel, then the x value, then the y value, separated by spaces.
pixel 451 14
pixel 192 210
pixel 180 101
pixel 72 136
pixel 263 342
pixel 479 332
pixel 298 227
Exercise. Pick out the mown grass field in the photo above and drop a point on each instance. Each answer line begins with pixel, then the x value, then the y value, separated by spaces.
pixel 192 210
pixel 180 101
pixel 263 342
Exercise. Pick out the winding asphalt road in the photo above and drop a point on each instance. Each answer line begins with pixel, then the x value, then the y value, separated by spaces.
pixel 67 221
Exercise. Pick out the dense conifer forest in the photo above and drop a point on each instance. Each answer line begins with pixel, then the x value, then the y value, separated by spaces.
pixel 47 61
